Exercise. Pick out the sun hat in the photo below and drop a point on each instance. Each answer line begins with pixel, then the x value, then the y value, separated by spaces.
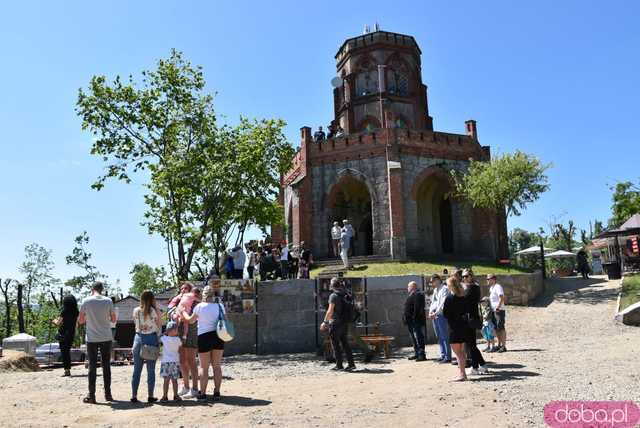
pixel 491 276
pixel 467 272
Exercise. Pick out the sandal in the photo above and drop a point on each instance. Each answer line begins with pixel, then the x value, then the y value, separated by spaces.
pixel 459 379
pixel 164 399
pixel 89 399
pixel 177 398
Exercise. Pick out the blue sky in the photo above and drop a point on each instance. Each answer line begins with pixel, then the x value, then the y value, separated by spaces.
pixel 556 79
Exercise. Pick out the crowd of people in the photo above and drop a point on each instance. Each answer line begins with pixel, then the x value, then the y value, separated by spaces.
pixel 454 307
pixel 190 331
pixel 454 310
pixel 270 261
pixel 334 131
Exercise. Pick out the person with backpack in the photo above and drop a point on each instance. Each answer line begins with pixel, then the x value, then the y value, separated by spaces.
pixel 340 313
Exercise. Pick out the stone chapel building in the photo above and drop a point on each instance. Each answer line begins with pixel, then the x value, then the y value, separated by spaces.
pixel 389 174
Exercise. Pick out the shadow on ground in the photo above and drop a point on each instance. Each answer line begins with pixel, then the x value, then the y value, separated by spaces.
pixel 574 290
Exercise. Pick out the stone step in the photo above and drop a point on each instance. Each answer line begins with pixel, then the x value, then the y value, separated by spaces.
pixel 358 260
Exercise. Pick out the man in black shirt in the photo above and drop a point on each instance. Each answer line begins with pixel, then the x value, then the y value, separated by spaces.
pixel 319 135
pixel 415 319
pixel 337 319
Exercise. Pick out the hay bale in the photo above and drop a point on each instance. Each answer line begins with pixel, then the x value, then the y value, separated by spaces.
pixel 18 361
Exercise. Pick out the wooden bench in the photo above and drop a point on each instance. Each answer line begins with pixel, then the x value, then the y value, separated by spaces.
pixel 379 342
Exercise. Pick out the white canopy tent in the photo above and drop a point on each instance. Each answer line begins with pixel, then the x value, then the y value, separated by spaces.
pixel 560 254
pixel 533 250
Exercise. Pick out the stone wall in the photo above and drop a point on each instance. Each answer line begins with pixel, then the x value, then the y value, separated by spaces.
pixel 286 316
pixel 519 289
pixel 287 321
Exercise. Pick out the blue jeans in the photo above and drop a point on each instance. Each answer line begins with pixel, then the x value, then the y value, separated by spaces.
pixel 146 339
pixel 416 330
pixel 441 328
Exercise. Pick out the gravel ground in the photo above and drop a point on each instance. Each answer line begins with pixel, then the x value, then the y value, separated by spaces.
pixel 564 347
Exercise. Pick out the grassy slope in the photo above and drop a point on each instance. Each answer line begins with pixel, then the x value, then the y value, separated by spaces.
pixel 419 268
pixel 630 291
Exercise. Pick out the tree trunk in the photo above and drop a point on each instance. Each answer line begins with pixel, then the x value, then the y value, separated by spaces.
pixel 7 307
pixel 21 328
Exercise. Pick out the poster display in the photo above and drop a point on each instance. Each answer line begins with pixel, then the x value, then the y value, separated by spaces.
pixel 238 295
pixel 355 286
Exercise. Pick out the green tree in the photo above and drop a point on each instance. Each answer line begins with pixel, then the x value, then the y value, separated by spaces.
pixel 626 202
pixel 204 179
pixel 519 239
pixel 80 257
pixel 37 269
pixel 145 277
pixel 505 185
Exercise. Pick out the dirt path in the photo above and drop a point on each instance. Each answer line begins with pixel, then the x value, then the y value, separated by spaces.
pixel 565 347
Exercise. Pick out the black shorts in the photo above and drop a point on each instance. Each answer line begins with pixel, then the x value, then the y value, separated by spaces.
pixel 209 341
pixel 499 319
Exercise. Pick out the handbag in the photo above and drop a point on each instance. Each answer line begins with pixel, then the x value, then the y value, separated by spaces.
pixel 149 352
pixel 224 327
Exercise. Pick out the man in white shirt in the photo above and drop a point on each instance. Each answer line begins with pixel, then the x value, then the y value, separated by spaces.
pixel 251 262
pixel 98 314
pixel 239 259
pixel 344 248
pixel 440 326
pixel 496 298
pixel 351 234
pixel 284 261
pixel 336 230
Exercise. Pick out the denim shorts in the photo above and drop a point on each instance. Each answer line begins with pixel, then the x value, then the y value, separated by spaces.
pixel 499 319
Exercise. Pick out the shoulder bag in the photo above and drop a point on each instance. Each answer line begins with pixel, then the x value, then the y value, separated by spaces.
pixel 148 352
pixel 224 328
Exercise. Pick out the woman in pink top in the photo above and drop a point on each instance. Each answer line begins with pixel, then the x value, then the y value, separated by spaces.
pixel 189 348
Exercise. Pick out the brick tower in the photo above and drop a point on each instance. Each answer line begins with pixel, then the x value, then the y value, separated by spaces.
pixel 389 174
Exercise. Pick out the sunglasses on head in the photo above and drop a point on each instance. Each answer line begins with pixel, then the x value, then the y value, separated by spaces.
pixel 465 276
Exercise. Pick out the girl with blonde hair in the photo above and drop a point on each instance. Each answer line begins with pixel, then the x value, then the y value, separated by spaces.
pixel 455 310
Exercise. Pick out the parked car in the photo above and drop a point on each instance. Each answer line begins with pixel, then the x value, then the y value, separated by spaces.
pixel 49 354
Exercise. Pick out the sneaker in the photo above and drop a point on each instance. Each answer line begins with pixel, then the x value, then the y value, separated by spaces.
pixel 350 368
pixel 483 370
pixel 413 357
pixel 337 368
pixel 454 362
pixel 494 349
pixel 487 349
pixel 184 391
pixel 216 396
pixel 108 396
pixel 421 358
pixel 444 361
pixel 191 394
pixel 151 400
pixel 474 372
pixel 502 349
pixel 67 373
pixel 202 397
pixel 369 356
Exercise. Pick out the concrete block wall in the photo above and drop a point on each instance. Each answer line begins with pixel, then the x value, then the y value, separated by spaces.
pixel 519 289
pixel 245 340
pixel 286 316
pixel 385 303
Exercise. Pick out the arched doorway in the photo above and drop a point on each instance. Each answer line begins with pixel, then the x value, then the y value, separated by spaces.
pixel 435 217
pixel 350 199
